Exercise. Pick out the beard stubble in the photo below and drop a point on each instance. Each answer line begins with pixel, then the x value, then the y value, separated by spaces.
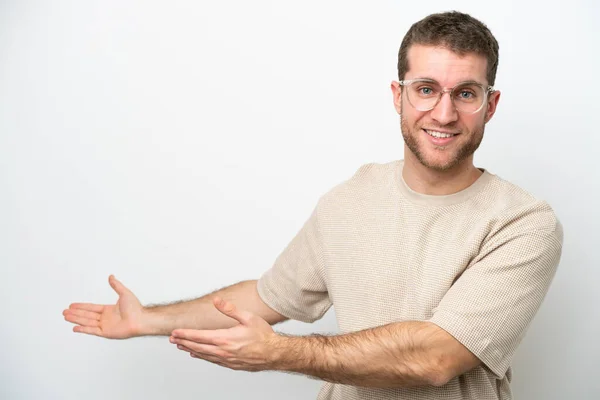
pixel 464 151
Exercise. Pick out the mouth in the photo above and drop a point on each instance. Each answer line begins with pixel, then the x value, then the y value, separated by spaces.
pixel 440 134
pixel 440 138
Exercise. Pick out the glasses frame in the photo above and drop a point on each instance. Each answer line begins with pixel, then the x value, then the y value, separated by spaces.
pixel 486 91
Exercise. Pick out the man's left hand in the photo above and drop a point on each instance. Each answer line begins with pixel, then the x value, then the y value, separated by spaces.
pixel 247 346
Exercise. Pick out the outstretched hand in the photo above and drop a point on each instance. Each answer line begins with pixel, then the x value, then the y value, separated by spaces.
pixel 119 321
pixel 247 346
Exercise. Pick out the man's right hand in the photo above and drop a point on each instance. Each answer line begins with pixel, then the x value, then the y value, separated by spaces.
pixel 120 321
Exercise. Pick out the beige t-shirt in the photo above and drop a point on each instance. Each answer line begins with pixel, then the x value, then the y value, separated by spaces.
pixel 478 263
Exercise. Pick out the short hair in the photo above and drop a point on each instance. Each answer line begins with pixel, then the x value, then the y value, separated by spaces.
pixel 456 31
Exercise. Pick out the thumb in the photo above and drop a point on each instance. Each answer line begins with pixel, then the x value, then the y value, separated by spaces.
pixel 117 286
pixel 229 309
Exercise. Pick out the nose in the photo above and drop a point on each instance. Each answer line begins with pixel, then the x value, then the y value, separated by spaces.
pixel 444 112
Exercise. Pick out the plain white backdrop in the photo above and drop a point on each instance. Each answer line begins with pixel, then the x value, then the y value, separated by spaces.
pixel 181 145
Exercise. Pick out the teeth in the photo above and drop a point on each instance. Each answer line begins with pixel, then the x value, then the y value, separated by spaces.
pixel 439 134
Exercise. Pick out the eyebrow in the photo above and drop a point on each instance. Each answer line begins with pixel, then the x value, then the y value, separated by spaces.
pixel 467 82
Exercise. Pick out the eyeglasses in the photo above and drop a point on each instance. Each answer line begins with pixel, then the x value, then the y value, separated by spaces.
pixel 425 94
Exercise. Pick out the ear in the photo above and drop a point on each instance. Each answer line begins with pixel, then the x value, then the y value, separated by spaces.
pixel 493 100
pixel 397 95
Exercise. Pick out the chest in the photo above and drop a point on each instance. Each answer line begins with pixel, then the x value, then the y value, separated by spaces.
pixel 389 265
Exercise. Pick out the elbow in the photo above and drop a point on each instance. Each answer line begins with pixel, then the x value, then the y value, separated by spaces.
pixel 444 370
pixel 438 377
pixel 448 362
pixel 439 373
pixel 424 374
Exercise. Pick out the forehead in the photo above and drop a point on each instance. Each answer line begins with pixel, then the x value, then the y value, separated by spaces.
pixel 445 66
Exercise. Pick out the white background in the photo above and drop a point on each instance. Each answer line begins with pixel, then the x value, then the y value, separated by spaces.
pixel 181 145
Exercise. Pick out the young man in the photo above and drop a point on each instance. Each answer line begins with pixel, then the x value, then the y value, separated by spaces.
pixel 435 267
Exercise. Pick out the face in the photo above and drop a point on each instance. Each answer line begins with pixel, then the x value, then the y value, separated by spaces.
pixel 448 69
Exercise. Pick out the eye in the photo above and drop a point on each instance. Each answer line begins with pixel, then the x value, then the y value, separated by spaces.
pixel 425 90
pixel 466 95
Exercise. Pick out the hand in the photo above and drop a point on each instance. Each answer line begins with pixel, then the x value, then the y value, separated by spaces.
pixel 248 346
pixel 120 321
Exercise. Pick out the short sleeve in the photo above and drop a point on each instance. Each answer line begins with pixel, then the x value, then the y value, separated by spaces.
pixel 490 306
pixel 295 286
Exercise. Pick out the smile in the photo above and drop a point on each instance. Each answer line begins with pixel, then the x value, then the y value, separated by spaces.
pixel 440 135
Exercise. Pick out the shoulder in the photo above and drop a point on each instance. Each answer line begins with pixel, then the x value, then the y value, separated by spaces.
pixel 365 187
pixel 514 210
pixel 366 177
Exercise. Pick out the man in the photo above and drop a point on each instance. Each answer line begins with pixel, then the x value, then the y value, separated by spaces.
pixel 435 267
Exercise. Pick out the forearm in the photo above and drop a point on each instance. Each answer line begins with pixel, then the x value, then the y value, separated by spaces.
pixel 395 355
pixel 202 314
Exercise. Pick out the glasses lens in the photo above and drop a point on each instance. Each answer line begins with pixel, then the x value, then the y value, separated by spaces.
pixel 423 95
pixel 468 98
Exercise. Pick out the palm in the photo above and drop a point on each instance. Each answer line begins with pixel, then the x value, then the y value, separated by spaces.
pixel 117 321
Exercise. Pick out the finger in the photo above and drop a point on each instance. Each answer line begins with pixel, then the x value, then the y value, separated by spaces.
pixel 211 350
pixel 82 321
pixel 229 309
pixel 82 313
pixel 211 359
pixel 196 353
pixel 204 356
pixel 188 350
pixel 198 336
pixel 87 307
pixel 88 330
pixel 117 286
pixel 207 357
pixel 223 363
pixel 183 348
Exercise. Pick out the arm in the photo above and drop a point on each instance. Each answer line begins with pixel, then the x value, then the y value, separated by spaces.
pixel 128 318
pixel 401 354
pixel 201 313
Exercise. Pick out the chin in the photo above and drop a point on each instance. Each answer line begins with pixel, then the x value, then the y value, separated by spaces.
pixel 443 161
pixel 439 166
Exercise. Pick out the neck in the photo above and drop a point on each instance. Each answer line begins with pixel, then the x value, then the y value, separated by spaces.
pixel 425 180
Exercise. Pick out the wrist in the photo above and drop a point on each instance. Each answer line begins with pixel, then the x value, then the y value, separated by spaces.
pixel 310 355
pixel 278 352
pixel 151 323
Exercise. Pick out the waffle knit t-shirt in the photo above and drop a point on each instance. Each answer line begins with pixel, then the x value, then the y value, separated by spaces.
pixel 477 263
